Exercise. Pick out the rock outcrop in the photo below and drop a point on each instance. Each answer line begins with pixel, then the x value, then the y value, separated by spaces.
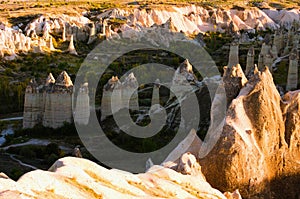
pixel 81 178
pixel 190 20
pixel 50 104
pixel 82 109
pixel 292 79
pixel 252 153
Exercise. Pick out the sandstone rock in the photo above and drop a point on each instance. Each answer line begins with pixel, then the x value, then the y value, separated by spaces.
pixel 115 85
pixel 233 55
pixel 71 48
pixel 82 109
pixel 250 60
pixel 64 80
pixel 58 109
pixel 79 178
pixel 129 92
pixel 33 105
pixel 155 93
pixel 292 80
pixel 49 104
pixel 252 153
pixel 234 79
pixel 50 80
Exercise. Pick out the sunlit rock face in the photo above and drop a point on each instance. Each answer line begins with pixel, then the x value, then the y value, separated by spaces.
pixel 252 152
pixel 60 25
pixel 79 178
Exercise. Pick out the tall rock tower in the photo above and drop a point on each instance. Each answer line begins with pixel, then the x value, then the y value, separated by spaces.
pixel 58 102
pixel 82 109
pixel 33 105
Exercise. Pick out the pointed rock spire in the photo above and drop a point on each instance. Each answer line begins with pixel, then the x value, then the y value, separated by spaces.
pixel 292 80
pixel 250 59
pixel 92 35
pixel 71 48
pixel 233 54
pixel 51 47
pixel 50 80
pixel 64 80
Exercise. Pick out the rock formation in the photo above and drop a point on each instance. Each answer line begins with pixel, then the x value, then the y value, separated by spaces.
pixel 190 20
pixel 233 55
pixel 33 105
pixel 250 60
pixel 292 79
pixel 50 104
pixel 129 92
pixel 252 152
pixel 82 109
pixel 155 93
pixel 234 79
pixel 72 177
pixel 71 48
pixel 117 95
pixel 113 85
pixel 58 102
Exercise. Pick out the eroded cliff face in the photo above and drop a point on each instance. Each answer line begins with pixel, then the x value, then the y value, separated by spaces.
pixel 259 144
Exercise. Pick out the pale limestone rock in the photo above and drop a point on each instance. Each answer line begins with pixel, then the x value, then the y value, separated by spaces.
pixel 292 79
pixel 129 93
pixel 274 52
pixel 291 116
pixel 182 79
pixel 79 178
pixel 82 110
pixel 286 50
pixel 58 109
pixel 38 49
pixel 268 61
pixel 250 60
pixel 51 46
pixel 191 144
pixel 64 80
pixel 92 35
pixel 260 63
pixel 33 105
pixel 71 48
pixel 234 80
pixel 155 93
pixel 50 80
pixel 113 85
pixel 233 55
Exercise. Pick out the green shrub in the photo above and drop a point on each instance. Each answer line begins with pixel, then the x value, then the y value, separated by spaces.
pixel 27 152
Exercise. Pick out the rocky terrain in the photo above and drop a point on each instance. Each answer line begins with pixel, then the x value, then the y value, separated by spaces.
pixel 38 35
pixel 253 151
pixel 257 152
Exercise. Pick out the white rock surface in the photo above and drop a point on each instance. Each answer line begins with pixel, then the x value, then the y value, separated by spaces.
pixel 80 178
